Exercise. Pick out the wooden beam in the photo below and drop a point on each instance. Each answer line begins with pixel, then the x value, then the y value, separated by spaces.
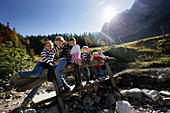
pixel 24 84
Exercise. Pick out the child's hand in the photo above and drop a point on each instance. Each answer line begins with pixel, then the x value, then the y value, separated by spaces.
pixel 68 67
pixel 78 61
pixel 102 61
pixel 91 59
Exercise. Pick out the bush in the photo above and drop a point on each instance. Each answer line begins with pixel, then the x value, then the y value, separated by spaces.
pixel 12 60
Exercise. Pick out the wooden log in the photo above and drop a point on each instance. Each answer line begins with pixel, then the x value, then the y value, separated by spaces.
pixel 23 84
pixel 110 74
pixel 61 105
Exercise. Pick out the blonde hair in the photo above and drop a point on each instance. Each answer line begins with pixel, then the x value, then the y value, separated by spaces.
pixel 99 49
pixel 50 42
pixel 94 53
pixel 59 38
pixel 85 47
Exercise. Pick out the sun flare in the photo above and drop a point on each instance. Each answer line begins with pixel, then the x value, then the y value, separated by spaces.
pixel 109 13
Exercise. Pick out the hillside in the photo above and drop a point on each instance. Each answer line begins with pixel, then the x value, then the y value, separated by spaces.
pixel 145 53
pixel 146 18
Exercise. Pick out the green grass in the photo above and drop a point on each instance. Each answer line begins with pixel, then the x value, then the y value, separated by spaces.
pixel 145 53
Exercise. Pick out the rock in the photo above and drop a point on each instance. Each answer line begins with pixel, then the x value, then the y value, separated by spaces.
pixel 53 109
pixel 70 79
pixel 116 95
pixel 96 98
pixel 134 93
pixel 105 110
pixel 153 94
pixel 123 107
pixel 110 100
pixel 165 93
pixel 164 77
pixel 88 100
pixel 166 101
pixel 30 111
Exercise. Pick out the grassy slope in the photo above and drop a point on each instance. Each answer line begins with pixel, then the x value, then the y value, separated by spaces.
pixel 145 53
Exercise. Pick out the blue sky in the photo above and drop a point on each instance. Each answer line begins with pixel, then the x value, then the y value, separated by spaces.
pixel 42 17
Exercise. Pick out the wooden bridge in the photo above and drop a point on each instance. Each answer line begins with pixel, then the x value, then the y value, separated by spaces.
pixel 24 84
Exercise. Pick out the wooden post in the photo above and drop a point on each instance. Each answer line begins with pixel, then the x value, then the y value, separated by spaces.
pixel 61 105
pixel 110 74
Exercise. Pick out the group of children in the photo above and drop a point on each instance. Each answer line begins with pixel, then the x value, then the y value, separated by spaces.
pixel 69 53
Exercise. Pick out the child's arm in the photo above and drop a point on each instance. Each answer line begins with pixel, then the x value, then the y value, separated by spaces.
pixel 44 57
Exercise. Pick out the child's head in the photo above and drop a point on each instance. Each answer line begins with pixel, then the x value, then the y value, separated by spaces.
pixel 95 54
pixel 49 45
pixel 85 49
pixel 59 41
pixel 99 50
pixel 72 41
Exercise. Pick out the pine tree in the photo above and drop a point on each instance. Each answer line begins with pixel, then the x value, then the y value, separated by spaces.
pixel 15 37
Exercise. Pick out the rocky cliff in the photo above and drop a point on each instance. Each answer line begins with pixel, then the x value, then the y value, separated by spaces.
pixel 142 20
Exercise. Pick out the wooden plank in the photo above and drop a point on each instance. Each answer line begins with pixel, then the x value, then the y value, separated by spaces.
pixel 43 97
pixel 110 74
pixel 61 105
pixel 85 87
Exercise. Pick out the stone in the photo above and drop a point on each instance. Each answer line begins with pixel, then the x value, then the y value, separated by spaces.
pixel 30 111
pixel 134 93
pixel 166 101
pixel 164 77
pixel 123 107
pixel 88 100
pixel 70 79
pixel 97 99
pixel 110 100
pixel 153 94
pixel 165 93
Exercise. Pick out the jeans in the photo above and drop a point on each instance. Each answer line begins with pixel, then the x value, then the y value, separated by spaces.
pixel 102 72
pixel 96 71
pixel 35 73
pixel 60 66
pixel 87 73
pixel 77 75
pixel 33 92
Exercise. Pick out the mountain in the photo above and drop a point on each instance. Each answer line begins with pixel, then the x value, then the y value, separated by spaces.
pixel 144 19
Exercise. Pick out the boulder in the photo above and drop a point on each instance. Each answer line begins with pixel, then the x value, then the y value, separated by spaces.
pixel 123 107
pixel 133 93
pixel 153 94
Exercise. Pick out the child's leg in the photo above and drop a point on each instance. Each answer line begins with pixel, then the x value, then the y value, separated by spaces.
pixel 58 69
pixel 86 69
pixel 32 93
pixel 95 72
pixel 77 75
pixel 35 73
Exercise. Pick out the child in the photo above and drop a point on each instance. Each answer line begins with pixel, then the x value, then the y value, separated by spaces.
pixel 86 57
pixel 64 59
pixel 76 60
pixel 102 66
pixel 97 67
pixel 46 61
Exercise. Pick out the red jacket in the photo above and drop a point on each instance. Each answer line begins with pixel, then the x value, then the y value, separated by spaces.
pixel 99 59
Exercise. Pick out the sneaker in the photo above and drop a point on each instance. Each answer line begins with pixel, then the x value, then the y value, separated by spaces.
pixel 67 89
pixel 14 78
pixel 78 88
pixel 88 82
pixel 26 103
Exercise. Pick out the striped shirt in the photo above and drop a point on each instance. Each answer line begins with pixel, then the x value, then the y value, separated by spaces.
pixel 65 53
pixel 48 56
pixel 86 56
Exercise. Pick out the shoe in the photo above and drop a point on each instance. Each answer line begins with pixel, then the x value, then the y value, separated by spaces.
pixel 78 88
pixel 14 78
pixel 67 89
pixel 26 103
pixel 88 82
